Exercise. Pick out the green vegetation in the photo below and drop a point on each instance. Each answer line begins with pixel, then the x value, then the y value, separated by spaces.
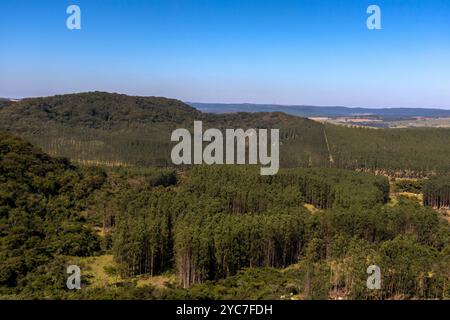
pixel 40 202
pixel 118 130
pixel 397 152
pixel 409 185
pixel 214 232
pixel 437 192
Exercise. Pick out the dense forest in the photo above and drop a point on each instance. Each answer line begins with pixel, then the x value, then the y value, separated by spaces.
pixel 236 224
pixel 436 192
pixel 221 232
pixel 117 130
pixel 40 203
pixel 411 153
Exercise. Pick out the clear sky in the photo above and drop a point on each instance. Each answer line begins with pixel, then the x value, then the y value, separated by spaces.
pixel 316 52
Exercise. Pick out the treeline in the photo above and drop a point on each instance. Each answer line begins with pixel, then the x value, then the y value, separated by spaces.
pixel 436 192
pixel 244 190
pixel 413 153
pixel 217 246
pixel 143 232
pixel 326 188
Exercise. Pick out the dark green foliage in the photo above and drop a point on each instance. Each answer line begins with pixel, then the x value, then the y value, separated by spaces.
pixel 326 188
pixel 412 269
pixel 222 245
pixel 397 152
pixel 98 110
pixel 40 203
pixel 237 207
pixel 152 177
pixel 142 239
pixel 225 219
pixel 408 185
pixel 253 284
pixel 436 192
pixel 99 128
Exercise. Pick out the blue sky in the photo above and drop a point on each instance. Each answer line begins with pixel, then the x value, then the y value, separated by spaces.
pixel 316 52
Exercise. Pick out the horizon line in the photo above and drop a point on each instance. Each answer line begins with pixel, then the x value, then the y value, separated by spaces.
pixel 228 103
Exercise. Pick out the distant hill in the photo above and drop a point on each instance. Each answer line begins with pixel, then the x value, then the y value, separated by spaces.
pixel 98 110
pixel 332 112
pixel 115 129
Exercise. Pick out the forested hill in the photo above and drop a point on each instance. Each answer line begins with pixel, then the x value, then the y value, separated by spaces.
pixel 116 129
pixel 97 110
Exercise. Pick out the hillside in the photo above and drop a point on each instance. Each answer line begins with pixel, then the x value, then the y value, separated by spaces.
pixel 114 129
pixel 117 129
pixel 41 199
